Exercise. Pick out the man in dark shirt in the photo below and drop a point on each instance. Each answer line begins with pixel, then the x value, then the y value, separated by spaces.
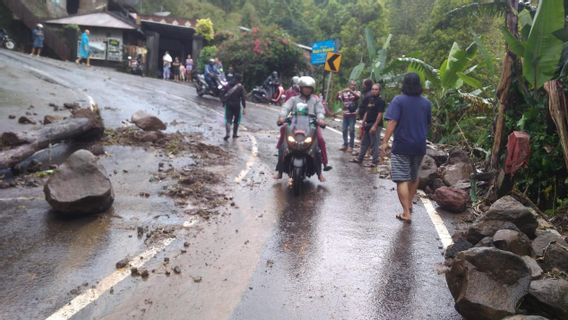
pixel 233 98
pixel 372 124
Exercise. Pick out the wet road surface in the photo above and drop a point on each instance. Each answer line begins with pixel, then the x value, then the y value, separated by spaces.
pixel 335 252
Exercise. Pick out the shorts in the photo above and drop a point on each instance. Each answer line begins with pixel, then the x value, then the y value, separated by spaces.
pixel 405 167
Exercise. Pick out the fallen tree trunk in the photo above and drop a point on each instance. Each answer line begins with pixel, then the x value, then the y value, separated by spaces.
pixel 82 124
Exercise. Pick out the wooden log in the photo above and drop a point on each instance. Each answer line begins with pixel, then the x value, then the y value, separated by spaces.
pixel 77 127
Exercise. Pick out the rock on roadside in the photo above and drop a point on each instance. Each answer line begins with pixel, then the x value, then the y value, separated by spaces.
pixel 80 186
pixel 147 122
pixel 451 199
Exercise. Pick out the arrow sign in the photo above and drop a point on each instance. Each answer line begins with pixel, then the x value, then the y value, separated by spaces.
pixel 332 62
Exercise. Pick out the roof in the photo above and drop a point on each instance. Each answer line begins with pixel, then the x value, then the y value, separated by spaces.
pixel 165 20
pixel 98 19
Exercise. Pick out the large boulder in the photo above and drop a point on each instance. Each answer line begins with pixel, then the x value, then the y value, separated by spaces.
pixel 513 241
pixel 457 172
pixel 147 122
pixel 457 247
pixel 487 283
pixel 487 228
pixel 440 156
pixel 509 209
pixel 536 270
pixel 428 171
pixel 548 297
pixel 545 238
pixel 458 156
pixel 555 257
pixel 451 199
pixel 80 186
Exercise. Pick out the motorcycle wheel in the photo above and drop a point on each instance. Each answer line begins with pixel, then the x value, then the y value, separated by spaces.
pixel 200 90
pixel 297 181
pixel 10 45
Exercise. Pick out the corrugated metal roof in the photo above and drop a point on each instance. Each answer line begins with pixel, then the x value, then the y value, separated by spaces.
pixel 99 19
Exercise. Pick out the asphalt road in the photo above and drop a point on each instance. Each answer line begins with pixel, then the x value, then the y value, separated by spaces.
pixel 335 252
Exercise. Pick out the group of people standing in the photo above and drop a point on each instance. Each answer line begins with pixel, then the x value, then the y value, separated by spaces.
pixel 409 118
pixel 181 70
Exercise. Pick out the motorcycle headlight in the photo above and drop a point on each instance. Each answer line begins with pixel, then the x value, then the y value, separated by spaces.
pixel 291 139
pixel 308 140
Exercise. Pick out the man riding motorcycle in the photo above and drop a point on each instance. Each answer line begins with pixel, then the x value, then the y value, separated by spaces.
pixel 315 108
pixel 271 84
pixel 211 72
pixel 294 90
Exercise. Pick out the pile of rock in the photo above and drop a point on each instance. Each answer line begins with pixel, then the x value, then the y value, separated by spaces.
pixel 509 262
pixel 445 176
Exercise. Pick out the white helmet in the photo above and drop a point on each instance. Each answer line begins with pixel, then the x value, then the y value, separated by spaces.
pixel 306 81
pixel 295 80
pixel 39 25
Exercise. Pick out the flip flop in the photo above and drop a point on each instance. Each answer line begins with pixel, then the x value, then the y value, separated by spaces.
pixel 405 220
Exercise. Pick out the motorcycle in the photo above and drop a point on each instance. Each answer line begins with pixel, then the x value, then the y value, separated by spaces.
pixel 203 87
pixel 260 94
pixel 6 41
pixel 135 66
pixel 302 149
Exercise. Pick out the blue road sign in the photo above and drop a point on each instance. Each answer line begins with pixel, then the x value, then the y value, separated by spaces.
pixel 320 50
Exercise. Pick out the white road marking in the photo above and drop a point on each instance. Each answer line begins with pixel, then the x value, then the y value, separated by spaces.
pixel 88 297
pixel 19 199
pixel 251 161
pixel 441 229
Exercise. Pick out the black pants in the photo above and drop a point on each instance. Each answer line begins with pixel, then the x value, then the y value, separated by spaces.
pixel 232 117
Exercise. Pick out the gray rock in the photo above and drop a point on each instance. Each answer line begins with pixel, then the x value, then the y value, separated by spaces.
pixel 509 209
pixel 428 170
pixel 147 122
pixel 555 257
pixel 80 186
pixel 457 156
pixel 452 199
pixel 536 270
pixel 513 241
pixel 485 242
pixel 549 297
pixel 487 283
pixel 457 247
pixel 457 172
pixel 543 239
pixel 439 156
pixel 437 183
pixel 525 317
pixel 487 228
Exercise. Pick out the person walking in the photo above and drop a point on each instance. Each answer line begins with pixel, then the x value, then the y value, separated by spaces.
pixel 372 124
pixel 349 97
pixel 188 68
pixel 366 90
pixel 233 98
pixel 166 64
pixel 175 69
pixel 409 117
pixel 37 39
pixel 84 49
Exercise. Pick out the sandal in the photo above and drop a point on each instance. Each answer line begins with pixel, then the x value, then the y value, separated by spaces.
pixel 401 218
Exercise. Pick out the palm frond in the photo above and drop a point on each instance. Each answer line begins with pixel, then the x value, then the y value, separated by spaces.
pixel 491 9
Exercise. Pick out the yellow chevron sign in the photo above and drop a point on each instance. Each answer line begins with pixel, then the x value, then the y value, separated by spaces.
pixel 332 62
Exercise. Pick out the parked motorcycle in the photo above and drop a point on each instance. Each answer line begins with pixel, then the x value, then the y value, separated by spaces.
pixel 135 66
pixel 260 94
pixel 203 87
pixel 6 41
pixel 302 149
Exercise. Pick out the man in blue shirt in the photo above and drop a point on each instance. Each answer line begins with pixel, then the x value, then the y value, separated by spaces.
pixel 409 118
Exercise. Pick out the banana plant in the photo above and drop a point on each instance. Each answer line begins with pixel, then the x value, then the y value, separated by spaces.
pixel 377 57
pixel 540 46
pixel 452 74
